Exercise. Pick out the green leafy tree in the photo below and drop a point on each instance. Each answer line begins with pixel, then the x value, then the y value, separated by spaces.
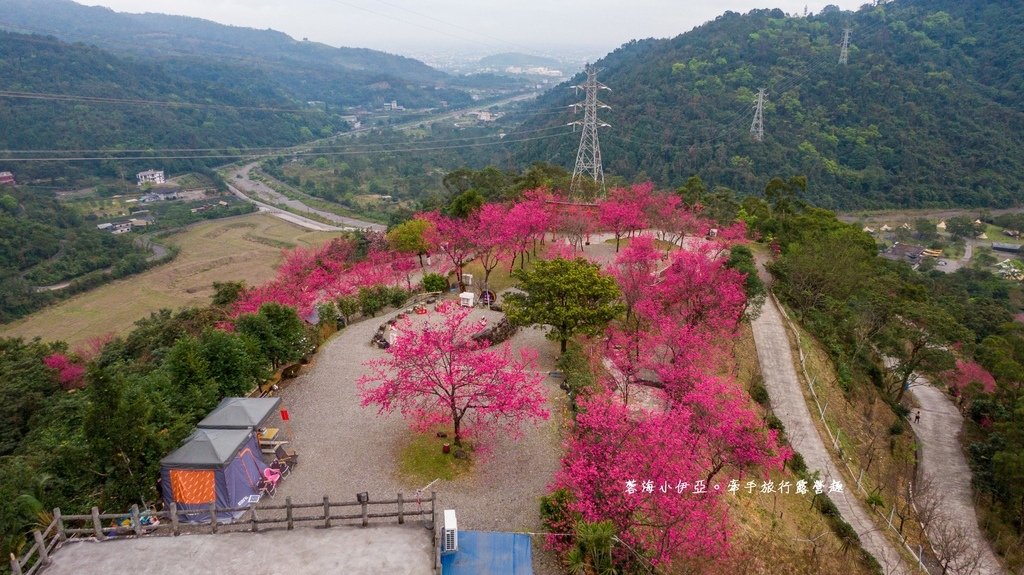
pixel 925 230
pixel 571 296
pixel 408 237
pixel 233 361
pixel 962 227
pixel 227 292
pixel 188 370
pixel 693 191
pixel 348 306
pixel 741 259
pixel 464 204
pixel 434 282
pixel 916 342
pixel 278 331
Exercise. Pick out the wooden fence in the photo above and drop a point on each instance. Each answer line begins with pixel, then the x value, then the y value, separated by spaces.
pixel 256 518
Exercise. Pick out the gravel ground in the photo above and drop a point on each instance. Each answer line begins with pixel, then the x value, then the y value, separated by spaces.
pixel 345 449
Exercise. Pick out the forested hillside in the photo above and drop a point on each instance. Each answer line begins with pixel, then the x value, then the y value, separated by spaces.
pixel 928 111
pixel 315 71
pixel 227 113
pixel 43 242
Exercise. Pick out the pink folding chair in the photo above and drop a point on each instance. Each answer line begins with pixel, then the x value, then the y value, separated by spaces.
pixel 271 477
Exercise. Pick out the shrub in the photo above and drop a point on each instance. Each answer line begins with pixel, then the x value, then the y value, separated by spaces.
pixel 896 428
pixel 348 305
pixel 825 506
pixel 372 300
pixel 759 393
pixel 397 296
pixel 797 464
pixel 775 423
pixel 433 282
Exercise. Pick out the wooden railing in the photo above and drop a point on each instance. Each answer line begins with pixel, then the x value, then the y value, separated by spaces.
pixel 256 518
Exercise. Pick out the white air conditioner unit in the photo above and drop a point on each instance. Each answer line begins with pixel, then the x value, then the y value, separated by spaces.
pixel 467 279
pixel 450 537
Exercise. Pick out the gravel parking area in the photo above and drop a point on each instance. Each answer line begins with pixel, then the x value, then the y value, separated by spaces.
pixel 345 449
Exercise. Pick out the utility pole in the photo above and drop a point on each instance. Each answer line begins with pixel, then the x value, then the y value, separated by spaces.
pixel 844 52
pixel 757 126
pixel 588 158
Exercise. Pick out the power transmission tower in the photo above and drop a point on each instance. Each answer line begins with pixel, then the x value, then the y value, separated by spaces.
pixel 844 52
pixel 757 126
pixel 588 158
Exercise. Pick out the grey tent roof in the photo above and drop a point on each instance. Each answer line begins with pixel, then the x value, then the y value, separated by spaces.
pixel 208 448
pixel 240 412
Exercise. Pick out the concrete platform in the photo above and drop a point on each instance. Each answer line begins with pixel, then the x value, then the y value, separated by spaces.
pixel 392 549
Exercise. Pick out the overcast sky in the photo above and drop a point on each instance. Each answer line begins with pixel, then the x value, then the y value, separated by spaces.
pixel 479 26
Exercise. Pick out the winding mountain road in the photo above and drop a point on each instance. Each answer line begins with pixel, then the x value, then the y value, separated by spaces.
pixel 787 400
pixel 944 465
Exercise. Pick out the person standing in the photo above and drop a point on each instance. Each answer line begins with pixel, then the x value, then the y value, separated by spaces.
pixel 917 416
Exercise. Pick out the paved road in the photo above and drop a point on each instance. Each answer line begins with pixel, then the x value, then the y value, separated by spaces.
pixel 244 188
pixel 788 404
pixel 943 462
pixel 965 261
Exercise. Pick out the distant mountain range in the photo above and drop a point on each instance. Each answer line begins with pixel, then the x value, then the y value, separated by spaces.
pixel 221 74
pixel 928 111
pixel 309 70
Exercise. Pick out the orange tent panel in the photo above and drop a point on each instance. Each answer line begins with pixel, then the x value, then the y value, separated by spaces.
pixel 193 486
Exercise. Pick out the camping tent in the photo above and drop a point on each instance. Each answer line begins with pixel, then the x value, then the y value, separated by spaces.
pixel 213 465
pixel 241 413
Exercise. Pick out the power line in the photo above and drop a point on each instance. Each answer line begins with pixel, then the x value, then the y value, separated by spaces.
pixel 277 149
pixel 139 102
pixel 302 153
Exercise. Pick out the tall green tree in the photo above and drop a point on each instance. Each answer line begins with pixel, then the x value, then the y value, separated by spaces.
pixel 408 237
pixel 278 331
pixel 916 342
pixel 571 296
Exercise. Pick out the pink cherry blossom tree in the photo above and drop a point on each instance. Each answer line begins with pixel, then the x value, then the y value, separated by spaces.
pixel 527 221
pixel 967 380
pixel 453 237
pixel 436 373
pixel 654 475
pixel 635 269
pixel 70 374
pixel 494 236
pixel 622 211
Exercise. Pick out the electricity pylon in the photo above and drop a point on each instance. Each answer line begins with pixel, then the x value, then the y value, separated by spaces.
pixel 844 51
pixel 757 126
pixel 588 158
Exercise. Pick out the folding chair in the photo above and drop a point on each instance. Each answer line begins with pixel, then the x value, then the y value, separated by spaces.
pixel 283 468
pixel 287 456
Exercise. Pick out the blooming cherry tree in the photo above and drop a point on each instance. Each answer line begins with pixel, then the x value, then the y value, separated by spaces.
pixel 437 373
pixel 623 211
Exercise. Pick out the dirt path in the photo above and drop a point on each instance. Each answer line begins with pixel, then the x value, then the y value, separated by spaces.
pixel 943 463
pixel 787 400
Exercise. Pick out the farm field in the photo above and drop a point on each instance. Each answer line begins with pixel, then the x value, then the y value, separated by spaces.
pixel 246 248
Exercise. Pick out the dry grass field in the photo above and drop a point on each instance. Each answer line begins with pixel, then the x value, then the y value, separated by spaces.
pixel 246 248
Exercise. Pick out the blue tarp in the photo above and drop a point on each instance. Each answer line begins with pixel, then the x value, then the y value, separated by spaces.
pixel 490 553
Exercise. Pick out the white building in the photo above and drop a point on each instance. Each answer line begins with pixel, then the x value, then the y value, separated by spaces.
pixel 150 177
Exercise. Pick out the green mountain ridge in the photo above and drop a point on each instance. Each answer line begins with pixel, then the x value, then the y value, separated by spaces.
pixel 161 35
pixel 929 111
pixel 220 110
